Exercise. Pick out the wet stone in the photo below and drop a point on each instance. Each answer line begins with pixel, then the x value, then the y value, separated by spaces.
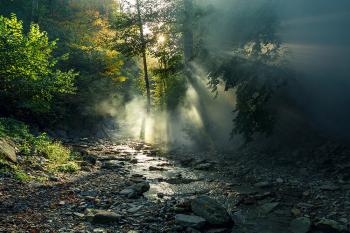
pixel 268 207
pixel 152 168
pixel 105 217
pixel 111 164
pixel 263 184
pixel 300 225
pixel 329 187
pixel 330 226
pixel 190 220
pixel 204 166
pixel 136 190
pixel 210 210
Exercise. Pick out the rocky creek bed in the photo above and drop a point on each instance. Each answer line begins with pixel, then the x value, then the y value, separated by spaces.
pixel 132 187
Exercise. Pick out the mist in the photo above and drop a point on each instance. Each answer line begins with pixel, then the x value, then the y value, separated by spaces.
pixel 316 37
pixel 317 40
pixel 316 32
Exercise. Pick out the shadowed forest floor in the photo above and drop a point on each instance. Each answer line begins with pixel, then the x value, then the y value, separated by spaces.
pixel 261 194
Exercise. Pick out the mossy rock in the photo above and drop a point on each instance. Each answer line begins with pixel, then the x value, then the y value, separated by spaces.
pixel 7 150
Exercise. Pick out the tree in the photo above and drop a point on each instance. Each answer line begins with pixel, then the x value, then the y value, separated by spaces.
pixel 255 70
pixel 29 77
pixel 130 24
pixel 144 56
pixel 35 11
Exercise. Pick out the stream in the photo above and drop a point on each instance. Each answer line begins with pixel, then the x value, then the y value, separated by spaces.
pixel 170 179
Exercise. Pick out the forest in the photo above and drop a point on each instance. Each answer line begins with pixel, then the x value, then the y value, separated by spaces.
pixel 142 116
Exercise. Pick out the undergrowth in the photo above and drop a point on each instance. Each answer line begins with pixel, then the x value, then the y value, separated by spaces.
pixel 57 157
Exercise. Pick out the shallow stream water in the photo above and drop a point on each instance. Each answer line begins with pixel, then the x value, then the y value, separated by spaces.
pixel 172 180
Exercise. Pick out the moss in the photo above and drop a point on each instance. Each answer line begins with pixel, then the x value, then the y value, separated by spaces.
pixel 21 175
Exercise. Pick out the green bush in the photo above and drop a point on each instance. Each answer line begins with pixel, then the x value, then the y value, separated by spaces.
pixel 54 151
pixel 18 132
pixel 29 78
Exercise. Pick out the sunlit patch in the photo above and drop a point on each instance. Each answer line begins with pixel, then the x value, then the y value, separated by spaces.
pixel 147 30
pixel 196 117
pixel 161 39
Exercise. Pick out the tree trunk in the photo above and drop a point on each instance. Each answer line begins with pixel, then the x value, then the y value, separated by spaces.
pixel 35 11
pixel 188 33
pixel 145 69
pixel 144 56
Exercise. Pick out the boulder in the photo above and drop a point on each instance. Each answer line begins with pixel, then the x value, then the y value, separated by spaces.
pixel 238 217
pixel 190 220
pixel 268 207
pixel 136 190
pixel 204 166
pixel 111 164
pixel 263 184
pixel 152 168
pixel 210 210
pixel 105 217
pixel 141 187
pixel 300 225
pixel 218 230
pixel 128 192
pixel 330 226
pixel 7 150
pixel 329 187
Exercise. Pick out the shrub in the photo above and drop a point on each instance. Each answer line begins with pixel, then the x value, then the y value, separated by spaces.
pixel 29 78
pixel 69 167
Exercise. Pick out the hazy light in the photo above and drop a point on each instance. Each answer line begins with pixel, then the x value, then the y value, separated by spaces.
pixel 147 30
pixel 161 39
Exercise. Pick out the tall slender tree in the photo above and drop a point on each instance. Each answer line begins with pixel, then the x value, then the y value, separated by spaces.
pixel 144 55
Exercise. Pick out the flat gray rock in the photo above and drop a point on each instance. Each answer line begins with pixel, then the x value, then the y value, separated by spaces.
pixel 7 150
pixel 105 217
pixel 330 226
pixel 190 220
pixel 269 207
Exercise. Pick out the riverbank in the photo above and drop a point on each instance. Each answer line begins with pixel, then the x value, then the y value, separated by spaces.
pixel 145 190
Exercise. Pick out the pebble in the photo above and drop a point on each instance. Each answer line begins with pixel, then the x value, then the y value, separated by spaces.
pixel 279 180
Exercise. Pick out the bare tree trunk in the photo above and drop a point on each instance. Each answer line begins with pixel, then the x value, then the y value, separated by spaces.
pixel 144 56
pixel 145 68
pixel 35 11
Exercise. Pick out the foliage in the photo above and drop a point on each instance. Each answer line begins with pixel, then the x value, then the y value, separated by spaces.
pixel 105 47
pixel 254 83
pixel 29 78
pixel 59 157
pixel 83 29
pixel 21 175
pixel 69 167
pixel 256 69
pixel 18 132
pixel 53 151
